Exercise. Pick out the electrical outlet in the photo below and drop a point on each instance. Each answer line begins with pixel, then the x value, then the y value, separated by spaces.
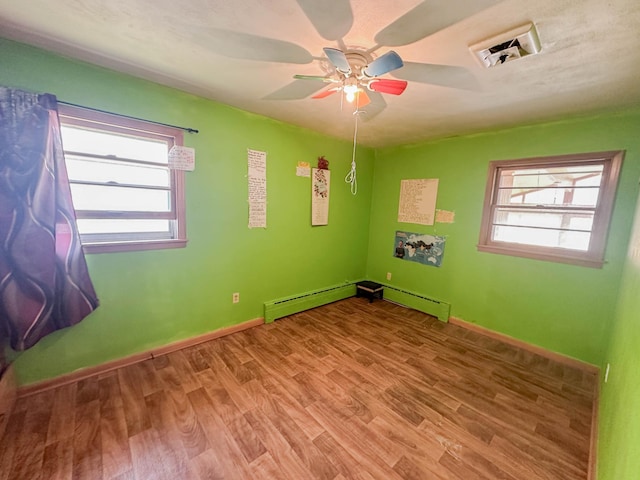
pixel 236 297
pixel 606 373
pixel 388 275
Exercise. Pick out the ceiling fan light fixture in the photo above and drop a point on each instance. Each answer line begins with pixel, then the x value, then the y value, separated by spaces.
pixel 350 92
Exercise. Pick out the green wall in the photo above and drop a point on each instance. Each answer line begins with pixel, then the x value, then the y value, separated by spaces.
pixel 563 308
pixel 149 299
pixel 619 435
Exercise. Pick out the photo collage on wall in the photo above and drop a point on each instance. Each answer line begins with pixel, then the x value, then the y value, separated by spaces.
pixel 421 248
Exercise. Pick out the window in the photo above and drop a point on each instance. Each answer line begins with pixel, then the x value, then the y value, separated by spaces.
pixel 125 196
pixel 554 208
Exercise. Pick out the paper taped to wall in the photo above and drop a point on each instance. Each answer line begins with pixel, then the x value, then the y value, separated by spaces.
pixel 257 181
pixel 182 158
pixel 418 201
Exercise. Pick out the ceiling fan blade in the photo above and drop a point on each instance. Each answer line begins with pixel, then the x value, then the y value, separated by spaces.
pixel 296 90
pixel 251 47
pixel 338 59
pixel 331 18
pixel 384 64
pixel 428 18
pixel 383 85
pixel 362 99
pixel 376 106
pixel 326 93
pixel 313 77
pixel 443 75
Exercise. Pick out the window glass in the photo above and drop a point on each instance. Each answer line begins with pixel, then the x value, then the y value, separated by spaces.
pixel 123 199
pixel 114 172
pixel 112 144
pixel 555 208
pixel 124 194
pixel 110 225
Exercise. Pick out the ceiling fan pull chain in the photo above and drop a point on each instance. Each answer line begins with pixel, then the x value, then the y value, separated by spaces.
pixel 351 176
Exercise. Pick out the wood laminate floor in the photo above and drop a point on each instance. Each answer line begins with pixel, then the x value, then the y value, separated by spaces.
pixel 350 390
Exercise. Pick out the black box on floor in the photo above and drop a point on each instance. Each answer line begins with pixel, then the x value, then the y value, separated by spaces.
pixel 369 290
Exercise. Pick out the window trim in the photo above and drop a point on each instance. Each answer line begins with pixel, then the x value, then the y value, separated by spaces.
pixel 594 256
pixel 83 117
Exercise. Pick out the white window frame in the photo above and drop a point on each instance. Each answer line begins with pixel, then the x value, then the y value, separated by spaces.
pixel 594 255
pixel 111 123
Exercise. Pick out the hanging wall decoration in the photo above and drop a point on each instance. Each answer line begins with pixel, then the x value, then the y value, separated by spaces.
pixel 320 186
pixel 419 247
pixel 323 163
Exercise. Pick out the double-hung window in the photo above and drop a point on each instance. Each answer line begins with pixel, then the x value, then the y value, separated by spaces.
pixel 552 208
pixel 124 193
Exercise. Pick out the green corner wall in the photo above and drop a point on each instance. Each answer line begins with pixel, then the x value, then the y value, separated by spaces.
pixel 619 435
pixel 149 299
pixel 563 308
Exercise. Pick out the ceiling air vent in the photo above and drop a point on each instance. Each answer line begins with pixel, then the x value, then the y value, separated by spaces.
pixel 505 47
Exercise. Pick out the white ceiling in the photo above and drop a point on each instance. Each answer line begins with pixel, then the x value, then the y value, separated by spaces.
pixel 590 58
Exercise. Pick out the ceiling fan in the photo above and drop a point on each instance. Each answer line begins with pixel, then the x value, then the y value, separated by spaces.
pixel 355 71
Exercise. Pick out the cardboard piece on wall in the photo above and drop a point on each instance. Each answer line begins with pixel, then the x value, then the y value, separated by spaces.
pixel 303 169
pixel 445 216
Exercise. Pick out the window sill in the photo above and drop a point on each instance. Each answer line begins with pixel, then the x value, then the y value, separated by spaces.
pixel 549 255
pixel 133 246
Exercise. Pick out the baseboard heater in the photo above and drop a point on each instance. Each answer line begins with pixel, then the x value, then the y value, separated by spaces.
pixel 298 303
pixel 316 298
pixel 418 302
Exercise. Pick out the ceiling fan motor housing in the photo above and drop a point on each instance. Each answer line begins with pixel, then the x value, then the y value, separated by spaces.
pixel 358 61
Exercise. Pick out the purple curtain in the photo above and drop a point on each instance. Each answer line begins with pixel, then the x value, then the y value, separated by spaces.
pixel 44 280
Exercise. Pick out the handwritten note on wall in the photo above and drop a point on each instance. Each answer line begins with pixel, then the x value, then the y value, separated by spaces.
pixel 182 158
pixel 418 201
pixel 257 180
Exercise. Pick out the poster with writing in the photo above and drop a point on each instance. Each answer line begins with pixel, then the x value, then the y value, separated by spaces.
pixel 320 184
pixel 257 181
pixel 418 201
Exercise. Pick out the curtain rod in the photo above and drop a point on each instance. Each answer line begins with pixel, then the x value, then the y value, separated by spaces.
pixel 186 129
